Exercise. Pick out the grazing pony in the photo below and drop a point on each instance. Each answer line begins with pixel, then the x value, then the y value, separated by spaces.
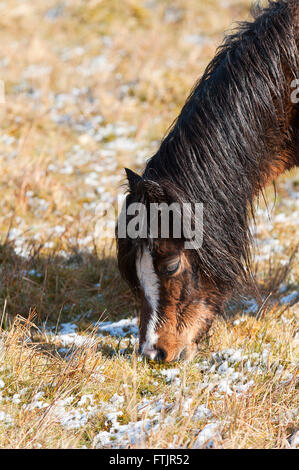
pixel 238 130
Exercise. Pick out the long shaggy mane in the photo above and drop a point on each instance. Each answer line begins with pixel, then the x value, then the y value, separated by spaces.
pixel 237 126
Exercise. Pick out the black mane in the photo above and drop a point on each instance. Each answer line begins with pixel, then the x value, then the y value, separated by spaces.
pixel 231 133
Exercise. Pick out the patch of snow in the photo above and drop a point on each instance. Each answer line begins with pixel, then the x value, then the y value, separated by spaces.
pixel 170 374
pixel 68 328
pixel 122 435
pixel 201 413
pixel 117 399
pixel 121 328
pixel 207 436
pixel 74 418
pixel 5 418
pixel 294 440
pixel 224 386
pixel 85 400
pixel 287 299
pixel 73 339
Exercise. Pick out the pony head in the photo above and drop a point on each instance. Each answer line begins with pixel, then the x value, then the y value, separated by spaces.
pixel 177 302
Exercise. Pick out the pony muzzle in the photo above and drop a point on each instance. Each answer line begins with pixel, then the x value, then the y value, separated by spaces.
pixel 168 353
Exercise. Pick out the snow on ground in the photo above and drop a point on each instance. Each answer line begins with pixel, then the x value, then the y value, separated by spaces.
pixel 120 436
pixel 121 328
pixel 5 418
pixel 290 298
pixel 224 373
pixel 207 436
pixel 294 440
pixel 228 372
pixel 67 338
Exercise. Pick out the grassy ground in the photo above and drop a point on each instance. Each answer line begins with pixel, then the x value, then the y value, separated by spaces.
pixel 91 87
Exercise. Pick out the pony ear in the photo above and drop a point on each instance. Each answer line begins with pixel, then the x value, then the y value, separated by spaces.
pixel 153 191
pixel 133 178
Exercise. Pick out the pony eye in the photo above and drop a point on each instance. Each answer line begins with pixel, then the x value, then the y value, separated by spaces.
pixel 171 268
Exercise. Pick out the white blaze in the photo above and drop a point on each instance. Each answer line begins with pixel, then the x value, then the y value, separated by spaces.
pixel 149 281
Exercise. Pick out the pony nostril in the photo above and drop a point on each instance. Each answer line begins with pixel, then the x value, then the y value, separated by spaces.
pixel 150 353
pixel 155 354
pixel 161 355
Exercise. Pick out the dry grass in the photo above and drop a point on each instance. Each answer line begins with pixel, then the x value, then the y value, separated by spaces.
pixel 92 87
